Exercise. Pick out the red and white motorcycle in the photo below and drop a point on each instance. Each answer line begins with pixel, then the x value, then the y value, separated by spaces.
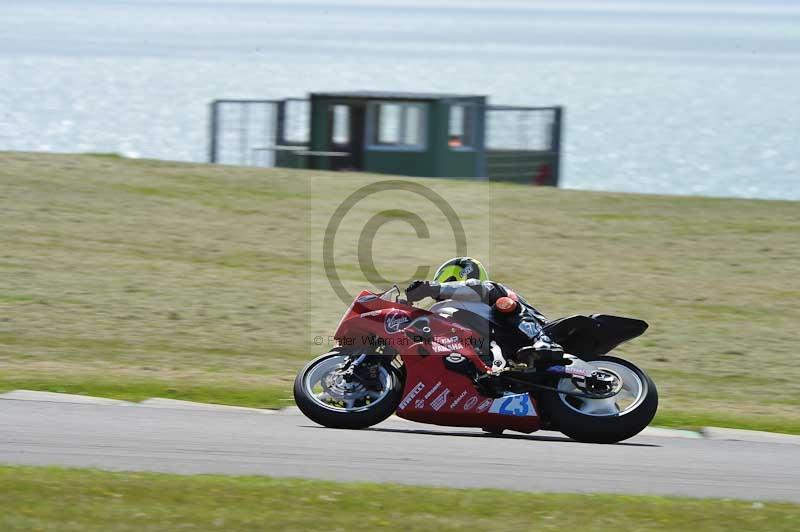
pixel 431 367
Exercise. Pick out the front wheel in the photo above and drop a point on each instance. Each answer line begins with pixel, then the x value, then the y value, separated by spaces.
pixel 327 395
pixel 608 420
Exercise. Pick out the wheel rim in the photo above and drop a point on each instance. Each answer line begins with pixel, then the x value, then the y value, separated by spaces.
pixel 325 384
pixel 629 397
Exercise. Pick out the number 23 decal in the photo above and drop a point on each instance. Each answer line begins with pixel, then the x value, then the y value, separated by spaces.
pixel 513 405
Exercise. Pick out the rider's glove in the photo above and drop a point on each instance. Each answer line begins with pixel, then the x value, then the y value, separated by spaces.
pixel 419 290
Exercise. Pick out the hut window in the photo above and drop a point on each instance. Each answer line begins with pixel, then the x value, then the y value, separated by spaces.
pixel 388 123
pixel 412 125
pixel 398 125
pixel 460 130
pixel 341 124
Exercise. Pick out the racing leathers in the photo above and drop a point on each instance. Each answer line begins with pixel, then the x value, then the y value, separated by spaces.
pixel 515 332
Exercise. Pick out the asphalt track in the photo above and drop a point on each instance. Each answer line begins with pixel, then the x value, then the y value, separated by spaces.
pixel 285 444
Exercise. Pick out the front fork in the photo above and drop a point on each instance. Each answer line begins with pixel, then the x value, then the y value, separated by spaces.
pixel 364 369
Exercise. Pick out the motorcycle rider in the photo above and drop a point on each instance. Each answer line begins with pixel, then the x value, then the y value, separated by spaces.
pixel 465 279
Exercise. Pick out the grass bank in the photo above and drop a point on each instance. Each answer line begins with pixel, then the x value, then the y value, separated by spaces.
pixel 133 278
pixel 88 500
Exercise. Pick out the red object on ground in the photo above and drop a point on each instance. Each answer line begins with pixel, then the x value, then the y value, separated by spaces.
pixel 542 175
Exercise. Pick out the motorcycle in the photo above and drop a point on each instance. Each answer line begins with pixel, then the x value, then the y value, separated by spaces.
pixel 434 366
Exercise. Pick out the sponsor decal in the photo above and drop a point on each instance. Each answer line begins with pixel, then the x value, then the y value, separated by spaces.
pixel 446 343
pixel 455 358
pixel 513 405
pixel 419 404
pixel 370 313
pixel 411 395
pixel 580 372
pixel 574 369
pixel 440 400
pixel 433 390
pixel 484 405
pixel 530 328
pixel 458 399
pixel 466 270
pixel 472 401
pixel 395 321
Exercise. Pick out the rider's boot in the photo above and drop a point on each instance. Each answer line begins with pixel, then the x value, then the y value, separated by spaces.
pixel 544 350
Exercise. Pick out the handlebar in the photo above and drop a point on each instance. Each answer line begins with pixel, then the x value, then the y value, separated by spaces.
pixel 396 290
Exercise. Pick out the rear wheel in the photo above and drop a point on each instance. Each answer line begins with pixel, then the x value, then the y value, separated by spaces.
pixel 327 395
pixel 607 420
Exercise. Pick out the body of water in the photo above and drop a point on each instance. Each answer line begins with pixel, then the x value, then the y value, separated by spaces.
pixel 663 97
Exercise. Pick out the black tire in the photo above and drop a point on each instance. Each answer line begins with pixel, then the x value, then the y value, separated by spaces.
pixel 339 419
pixel 603 429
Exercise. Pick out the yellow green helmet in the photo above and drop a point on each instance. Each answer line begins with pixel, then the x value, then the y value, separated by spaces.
pixel 460 269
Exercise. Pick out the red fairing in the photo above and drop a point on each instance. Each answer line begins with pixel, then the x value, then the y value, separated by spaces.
pixel 434 393
pixel 369 318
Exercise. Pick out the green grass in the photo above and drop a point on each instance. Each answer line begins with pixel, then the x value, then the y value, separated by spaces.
pixel 126 278
pixel 695 421
pixel 87 500
pixel 243 394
